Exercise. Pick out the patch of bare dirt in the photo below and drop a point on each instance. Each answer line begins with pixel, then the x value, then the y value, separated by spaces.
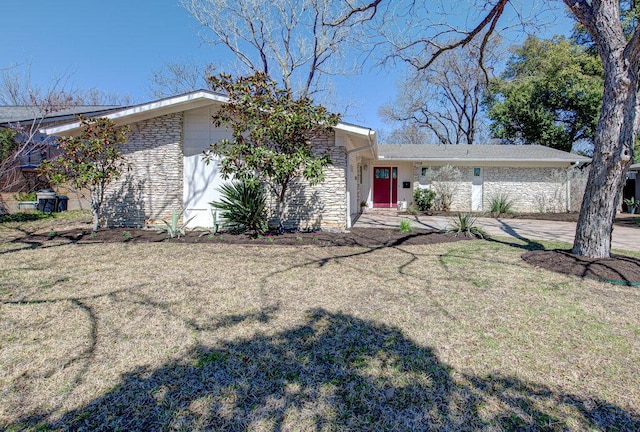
pixel 368 237
pixel 617 269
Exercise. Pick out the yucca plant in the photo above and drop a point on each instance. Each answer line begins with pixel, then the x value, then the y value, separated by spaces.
pixel 500 204
pixel 465 224
pixel 243 206
pixel 174 229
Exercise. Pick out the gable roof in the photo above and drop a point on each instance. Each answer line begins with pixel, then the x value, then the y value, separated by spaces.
pixel 173 104
pixel 20 113
pixel 476 153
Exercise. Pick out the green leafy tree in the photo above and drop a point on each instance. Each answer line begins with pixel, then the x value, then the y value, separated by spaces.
pixel 90 161
pixel 8 144
pixel 550 94
pixel 272 135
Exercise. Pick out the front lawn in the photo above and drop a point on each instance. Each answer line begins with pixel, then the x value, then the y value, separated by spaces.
pixel 451 336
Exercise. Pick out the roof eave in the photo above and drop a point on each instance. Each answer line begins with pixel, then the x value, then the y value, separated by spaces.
pixel 147 110
pixel 436 159
pixel 191 100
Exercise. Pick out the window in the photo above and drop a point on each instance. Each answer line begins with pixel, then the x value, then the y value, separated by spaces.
pixel 381 173
pixel 477 172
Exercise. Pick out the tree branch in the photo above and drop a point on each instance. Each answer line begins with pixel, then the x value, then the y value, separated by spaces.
pixel 371 6
pixel 491 19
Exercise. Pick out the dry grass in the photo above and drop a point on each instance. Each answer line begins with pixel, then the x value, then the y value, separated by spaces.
pixel 459 336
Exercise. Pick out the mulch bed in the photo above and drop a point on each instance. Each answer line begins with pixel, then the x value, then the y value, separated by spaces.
pixel 369 237
pixel 618 269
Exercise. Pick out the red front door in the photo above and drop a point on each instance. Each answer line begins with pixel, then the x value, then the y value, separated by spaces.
pixel 385 186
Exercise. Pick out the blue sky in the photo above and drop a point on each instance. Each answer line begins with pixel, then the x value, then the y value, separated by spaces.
pixel 116 45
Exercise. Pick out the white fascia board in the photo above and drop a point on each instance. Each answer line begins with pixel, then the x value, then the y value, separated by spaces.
pixel 358 130
pixel 138 112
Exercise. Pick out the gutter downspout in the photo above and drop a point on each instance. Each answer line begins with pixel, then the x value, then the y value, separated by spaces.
pixel 348 175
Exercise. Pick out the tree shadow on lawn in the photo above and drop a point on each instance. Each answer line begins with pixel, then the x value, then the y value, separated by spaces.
pixel 529 244
pixel 335 372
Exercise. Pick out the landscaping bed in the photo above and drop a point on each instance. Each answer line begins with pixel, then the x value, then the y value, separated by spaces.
pixel 618 269
pixel 75 228
pixel 369 237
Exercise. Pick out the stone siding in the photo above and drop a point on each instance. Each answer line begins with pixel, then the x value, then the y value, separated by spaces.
pixel 322 206
pixel 152 189
pixel 461 189
pixel 530 189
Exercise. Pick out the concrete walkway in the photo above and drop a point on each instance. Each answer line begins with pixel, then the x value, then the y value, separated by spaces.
pixel 624 238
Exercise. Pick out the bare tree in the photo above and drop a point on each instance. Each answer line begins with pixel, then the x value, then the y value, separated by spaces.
pixel 444 99
pixel 295 42
pixel 180 77
pixel 406 134
pixel 618 123
pixel 22 138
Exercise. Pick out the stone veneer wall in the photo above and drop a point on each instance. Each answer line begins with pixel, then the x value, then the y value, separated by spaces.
pixel 461 189
pixel 323 206
pixel 530 189
pixel 154 186
pixel 152 189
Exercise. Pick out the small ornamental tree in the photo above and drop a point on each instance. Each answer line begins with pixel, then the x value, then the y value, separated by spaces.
pixel 90 161
pixel 272 135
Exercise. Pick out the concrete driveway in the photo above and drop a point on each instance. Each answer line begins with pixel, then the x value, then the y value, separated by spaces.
pixel 623 237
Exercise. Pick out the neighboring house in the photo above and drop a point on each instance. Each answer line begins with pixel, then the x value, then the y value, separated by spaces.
pixel 27 121
pixel 169 135
pixel 631 187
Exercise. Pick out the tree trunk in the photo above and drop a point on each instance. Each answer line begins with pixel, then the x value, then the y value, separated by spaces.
pixel 281 194
pixel 95 212
pixel 97 197
pixel 612 155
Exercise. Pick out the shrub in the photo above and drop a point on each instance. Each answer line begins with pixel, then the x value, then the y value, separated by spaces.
pixel 423 198
pixel 405 226
pixel 501 204
pixel 632 204
pixel 465 224
pixel 244 206
pixel 173 229
pixel 26 217
pixel 444 182
pixel 25 196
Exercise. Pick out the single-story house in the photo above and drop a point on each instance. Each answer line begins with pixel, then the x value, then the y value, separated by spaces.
pixel 169 135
